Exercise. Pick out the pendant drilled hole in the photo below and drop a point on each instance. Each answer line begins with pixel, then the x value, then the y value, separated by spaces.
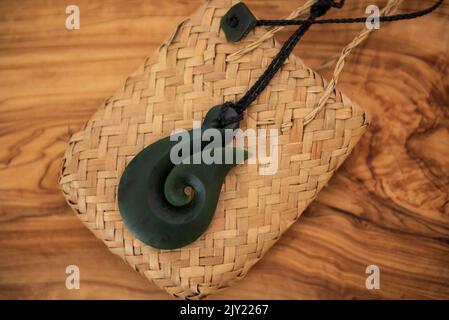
pixel 233 21
pixel 189 192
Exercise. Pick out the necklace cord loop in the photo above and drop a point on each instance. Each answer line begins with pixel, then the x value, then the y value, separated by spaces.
pixel 317 9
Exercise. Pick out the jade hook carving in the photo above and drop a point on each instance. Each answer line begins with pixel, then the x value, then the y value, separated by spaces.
pixel 152 194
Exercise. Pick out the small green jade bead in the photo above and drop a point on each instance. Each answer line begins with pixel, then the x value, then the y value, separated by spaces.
pixel 238 22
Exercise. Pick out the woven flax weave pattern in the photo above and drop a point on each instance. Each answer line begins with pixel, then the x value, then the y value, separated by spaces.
pixel 184 78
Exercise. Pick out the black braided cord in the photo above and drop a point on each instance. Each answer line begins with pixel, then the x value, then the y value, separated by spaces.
pixel 397 17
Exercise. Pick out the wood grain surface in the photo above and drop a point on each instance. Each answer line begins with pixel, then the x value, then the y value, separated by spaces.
pixel 388 205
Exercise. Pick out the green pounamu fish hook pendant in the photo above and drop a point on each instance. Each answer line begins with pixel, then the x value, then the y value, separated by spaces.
pixel 152 195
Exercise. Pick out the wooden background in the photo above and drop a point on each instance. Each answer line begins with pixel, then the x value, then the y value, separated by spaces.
pixel 388 205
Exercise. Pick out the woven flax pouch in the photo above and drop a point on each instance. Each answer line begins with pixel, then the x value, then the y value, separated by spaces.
pixel 179 83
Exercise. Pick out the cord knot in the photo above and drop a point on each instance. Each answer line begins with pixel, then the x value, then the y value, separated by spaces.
pixel 229 114
pixel 321 7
